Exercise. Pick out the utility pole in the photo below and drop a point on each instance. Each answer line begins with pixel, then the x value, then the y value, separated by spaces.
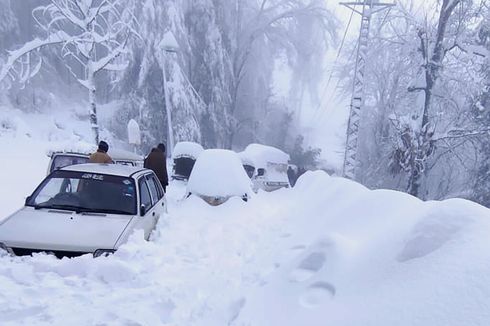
pixel 168 45
pixel 365 8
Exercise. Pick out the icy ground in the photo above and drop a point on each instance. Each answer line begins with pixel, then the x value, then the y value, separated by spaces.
pixel 328 252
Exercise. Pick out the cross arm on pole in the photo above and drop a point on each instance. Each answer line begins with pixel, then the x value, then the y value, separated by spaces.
pixel 377 5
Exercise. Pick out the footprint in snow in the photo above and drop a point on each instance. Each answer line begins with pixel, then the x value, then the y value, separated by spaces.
pixel 308 267
pixel 317 294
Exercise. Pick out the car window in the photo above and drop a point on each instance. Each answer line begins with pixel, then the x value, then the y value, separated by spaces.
pixel 144 193
pixel 155 190
pixel 61 161
pixel 86 192
pixel 159 186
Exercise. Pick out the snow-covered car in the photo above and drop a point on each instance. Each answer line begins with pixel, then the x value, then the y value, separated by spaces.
pixel 86 208
pixel 217 176
pixel 184 157
pixel 62 158
pixel 266 166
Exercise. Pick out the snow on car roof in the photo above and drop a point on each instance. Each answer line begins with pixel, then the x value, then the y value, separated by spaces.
pixel 260 155
pixel 87 149
pixel 109 169
pixel 219 172
pixel 83 148
pixel 187 148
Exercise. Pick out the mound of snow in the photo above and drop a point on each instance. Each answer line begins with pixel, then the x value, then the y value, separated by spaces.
pixel 219 172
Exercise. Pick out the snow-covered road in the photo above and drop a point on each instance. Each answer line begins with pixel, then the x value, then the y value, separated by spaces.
pixel 328 252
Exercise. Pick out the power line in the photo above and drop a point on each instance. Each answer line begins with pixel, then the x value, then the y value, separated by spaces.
pixel 334 64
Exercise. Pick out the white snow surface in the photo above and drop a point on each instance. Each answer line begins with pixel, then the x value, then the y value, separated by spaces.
pixel 219 172
pixel 186 149
pixel 260 155
pixel 326 252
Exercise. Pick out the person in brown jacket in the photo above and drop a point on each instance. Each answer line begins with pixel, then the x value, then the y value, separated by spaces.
pixel 157 162
pixel 101 155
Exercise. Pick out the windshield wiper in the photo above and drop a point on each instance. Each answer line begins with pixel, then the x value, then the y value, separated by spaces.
pixel 73 208
pixel 110 211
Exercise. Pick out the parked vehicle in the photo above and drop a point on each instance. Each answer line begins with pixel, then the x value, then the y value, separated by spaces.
pixel 266 166
pixel 217 176
pixel 62 158
pixel 85 208
pixel 184 157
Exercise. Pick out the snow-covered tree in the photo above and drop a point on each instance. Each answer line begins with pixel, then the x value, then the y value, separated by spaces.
pixel 91 36
pixel 264 29
pixel 397 148
pixel 142 87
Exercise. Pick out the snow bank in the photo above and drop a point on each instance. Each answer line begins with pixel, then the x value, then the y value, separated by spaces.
pixel 187 149
pixel 260 155
pixel 351 256
pixel 219 172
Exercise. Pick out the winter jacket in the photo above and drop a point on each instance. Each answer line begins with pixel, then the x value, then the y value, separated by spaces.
pixel 157 162
pixel 100 157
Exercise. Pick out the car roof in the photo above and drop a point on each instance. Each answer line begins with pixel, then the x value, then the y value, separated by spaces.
pixel 109 169
pixel 115 154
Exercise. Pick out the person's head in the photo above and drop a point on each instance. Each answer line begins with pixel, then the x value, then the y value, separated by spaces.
pixel 161 147
pixel 103 146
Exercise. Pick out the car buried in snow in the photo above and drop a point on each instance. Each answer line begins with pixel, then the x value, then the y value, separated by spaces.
pixel 217 176
pixel 184 157
pixel 86 208
pixel 266 166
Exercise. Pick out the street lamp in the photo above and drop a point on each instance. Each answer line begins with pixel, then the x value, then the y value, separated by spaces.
pixel 168 44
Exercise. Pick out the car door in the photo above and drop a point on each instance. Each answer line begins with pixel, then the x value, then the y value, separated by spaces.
pixel 157 195
pixel 147 221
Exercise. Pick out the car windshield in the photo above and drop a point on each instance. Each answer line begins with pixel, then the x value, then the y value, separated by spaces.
pixel 60 161
pixel 86 192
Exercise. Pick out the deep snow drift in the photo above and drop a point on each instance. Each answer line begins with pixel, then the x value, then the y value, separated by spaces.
pixel 327 252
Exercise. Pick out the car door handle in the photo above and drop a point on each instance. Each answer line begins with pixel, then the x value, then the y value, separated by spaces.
pixel 153 214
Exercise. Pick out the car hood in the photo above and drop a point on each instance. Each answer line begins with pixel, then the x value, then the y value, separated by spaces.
pixel 62 230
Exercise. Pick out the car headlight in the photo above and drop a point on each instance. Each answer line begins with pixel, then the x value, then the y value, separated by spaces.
pixel 103 252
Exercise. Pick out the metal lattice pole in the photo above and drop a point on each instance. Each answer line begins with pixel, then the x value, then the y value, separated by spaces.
pixel 366 10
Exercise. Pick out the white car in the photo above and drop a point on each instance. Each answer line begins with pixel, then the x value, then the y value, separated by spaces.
pixel 266 166
pixel 217 176
pixel 86 208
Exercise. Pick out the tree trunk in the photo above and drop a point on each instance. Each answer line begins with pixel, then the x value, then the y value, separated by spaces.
pixel 93 107
pixel 432 65
pixel 414 184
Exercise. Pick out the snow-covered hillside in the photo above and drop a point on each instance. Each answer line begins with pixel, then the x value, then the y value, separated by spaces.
pixel 327 252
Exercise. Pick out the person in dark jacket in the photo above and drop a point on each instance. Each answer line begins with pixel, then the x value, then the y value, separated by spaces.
pixel 157 162
pixel 101 155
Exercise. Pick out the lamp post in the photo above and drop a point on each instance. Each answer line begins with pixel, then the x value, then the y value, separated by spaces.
pixel 168 45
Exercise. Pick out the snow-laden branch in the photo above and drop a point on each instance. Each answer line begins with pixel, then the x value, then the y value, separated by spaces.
pixel 461 133
pixel 36 44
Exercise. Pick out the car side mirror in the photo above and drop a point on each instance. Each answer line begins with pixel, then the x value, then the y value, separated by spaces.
pixel 143 210
pixel 28 199
pixel 260 172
